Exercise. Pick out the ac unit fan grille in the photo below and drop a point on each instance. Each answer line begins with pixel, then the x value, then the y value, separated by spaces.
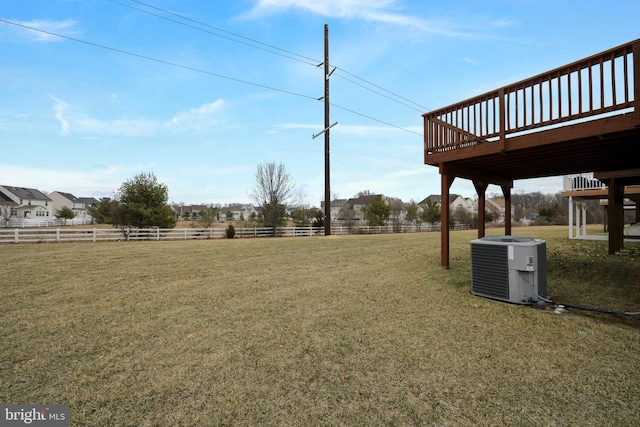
pixel 490 271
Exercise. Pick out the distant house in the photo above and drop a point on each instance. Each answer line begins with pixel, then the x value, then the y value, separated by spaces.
pixel 79 205
pixel 336 206
pixel 438 199
pixel 235 210
pixel 360 204
pixel 455 201
pixel 239 211
pixel 28 205
pixel 497 208
pixel 188 211
pixel 89 201
pixel 463 202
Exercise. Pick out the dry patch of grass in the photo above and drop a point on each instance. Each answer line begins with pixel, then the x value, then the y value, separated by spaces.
pixel 353 330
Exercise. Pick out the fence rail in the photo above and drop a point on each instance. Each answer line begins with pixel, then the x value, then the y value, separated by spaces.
pixel 52 222
pixel 42 235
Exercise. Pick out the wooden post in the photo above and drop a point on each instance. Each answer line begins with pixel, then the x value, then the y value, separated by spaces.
pixel 506 192
pixel 616 216
pixel 445 181
pixel 481 189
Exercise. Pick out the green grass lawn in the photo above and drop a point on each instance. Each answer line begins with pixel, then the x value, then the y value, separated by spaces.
pixel 349 330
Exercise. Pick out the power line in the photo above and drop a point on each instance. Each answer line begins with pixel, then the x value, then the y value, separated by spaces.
pixel 185 67
pixel 376 120
pixel 290 54
pixel 308 61
pixel 378 93
pixel 383 89
pixel 161 61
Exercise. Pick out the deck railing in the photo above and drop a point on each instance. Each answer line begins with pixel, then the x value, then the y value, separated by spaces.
pixel 582 181
pixel 604 83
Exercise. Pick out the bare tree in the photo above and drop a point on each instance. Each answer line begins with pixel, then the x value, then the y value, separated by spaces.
pixel 397 207
pixel 273 190
pixel 207 217
pixel 5 212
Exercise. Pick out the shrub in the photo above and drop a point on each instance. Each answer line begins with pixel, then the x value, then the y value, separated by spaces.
pixel 230 232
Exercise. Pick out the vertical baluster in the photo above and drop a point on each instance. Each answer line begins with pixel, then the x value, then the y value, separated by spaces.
pixel 559 95
pixel 601 83
pixel 524 106
pixel 541 101
pixel 481 122
pixel 569 92
pixel 613 80
pixel 590 87
pixel 517 108
pixel 550 99
pixel 579 90
pixel 625 59
pixel 507 123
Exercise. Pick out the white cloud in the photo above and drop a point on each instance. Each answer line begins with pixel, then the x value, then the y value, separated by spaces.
pixel 100 182
pixel 120 127
pixel 60 108
pixel 11 120
pixel 197 118
pixel 42 30
pixel 471 61
pixel 368 10
pixel 339 8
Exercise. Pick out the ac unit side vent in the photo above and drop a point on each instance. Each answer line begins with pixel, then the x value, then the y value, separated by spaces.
pixel 490 271
pixel 542 269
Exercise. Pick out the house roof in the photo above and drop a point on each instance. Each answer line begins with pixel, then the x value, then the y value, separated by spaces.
pixel 68 196
pixel 26 193
pixel 6 201
pixel 88 200
pixel 437 198
pixel 362 200
pixel 188 208
pixel 497 201
pixel 335 203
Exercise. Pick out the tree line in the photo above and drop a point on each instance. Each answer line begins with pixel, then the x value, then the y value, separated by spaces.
pixel 142 202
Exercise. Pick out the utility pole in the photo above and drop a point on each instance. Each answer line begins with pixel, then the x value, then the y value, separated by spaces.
pixel 327 175
pixel 327 126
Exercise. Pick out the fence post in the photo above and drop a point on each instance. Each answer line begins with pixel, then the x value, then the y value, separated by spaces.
pixel 57 235
pixel 15 236
pixel 94 235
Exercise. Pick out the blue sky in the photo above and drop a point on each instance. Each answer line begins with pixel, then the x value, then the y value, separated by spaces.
pixel 202 104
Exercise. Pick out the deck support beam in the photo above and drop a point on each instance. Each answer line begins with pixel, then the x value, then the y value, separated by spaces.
pixel 445 180
pixel 616 216
pixel 480 181
pixel 616 182
pixel 481 189
pixel 506 192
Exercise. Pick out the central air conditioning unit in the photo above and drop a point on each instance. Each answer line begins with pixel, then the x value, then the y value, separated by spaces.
pixel 509 268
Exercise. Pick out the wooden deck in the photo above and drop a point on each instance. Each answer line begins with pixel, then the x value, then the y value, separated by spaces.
pixel 582 117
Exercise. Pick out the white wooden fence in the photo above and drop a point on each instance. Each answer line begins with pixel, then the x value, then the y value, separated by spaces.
pixel 39 235
pixel 35 222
